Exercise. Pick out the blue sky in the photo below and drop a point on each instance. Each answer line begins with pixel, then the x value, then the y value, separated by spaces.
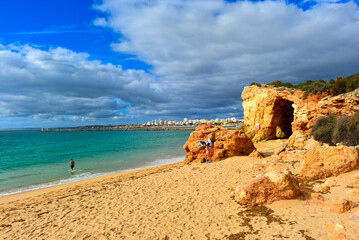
pixel 71 63
pixel 61 23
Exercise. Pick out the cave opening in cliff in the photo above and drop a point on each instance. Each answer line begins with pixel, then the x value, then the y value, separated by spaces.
pixel 283 115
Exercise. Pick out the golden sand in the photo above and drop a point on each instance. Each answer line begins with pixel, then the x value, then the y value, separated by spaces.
pixel 173 201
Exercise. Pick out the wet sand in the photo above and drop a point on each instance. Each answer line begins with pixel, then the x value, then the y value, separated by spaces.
pixel 173 201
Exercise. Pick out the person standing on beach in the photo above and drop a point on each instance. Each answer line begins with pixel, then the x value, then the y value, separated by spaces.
pixel 72 165
pixel 208 155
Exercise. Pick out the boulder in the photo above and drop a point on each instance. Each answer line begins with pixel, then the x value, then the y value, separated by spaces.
pixel 256 154
pixel 342 206
pixel 272 186
pixel 324 187
pixel 297 140
pixel 326 161
pixel 317 199
pixel 226 143
pixel 279 133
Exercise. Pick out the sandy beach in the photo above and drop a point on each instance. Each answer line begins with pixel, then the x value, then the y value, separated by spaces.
pixel 174 201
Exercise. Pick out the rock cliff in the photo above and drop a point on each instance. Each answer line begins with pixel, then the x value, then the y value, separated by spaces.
pixel 226 143
pixel 266 108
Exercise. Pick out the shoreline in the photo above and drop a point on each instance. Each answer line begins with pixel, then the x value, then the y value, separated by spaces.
pixel 126 174
pixel 174 201
pixel 60 182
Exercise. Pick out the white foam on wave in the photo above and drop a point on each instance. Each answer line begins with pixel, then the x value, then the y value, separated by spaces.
pixel 84 176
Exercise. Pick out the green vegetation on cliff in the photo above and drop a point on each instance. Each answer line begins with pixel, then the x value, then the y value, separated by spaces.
pixel 335 87
pixel 332 130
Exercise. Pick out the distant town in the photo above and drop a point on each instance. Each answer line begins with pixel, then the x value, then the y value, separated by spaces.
pixel 189 122
pixel 155 125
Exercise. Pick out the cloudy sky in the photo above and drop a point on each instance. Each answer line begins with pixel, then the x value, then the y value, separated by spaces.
pixel 71 63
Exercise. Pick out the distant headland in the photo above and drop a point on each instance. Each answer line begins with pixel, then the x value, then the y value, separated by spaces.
pixel 154 125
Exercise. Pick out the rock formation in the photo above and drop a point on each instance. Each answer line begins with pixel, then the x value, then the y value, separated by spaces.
pixel 297 141
pixel 317 199
pixel 256 154
pixel 324 187
pixel 273 186
pixel 266 108
pixel 343 104
pixel 226 143
pixel 325 161
pixel 342 206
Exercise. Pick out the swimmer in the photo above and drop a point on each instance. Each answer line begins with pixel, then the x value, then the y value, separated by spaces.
pixel 72 165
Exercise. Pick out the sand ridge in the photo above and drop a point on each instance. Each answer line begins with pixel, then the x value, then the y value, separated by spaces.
pixel 174 201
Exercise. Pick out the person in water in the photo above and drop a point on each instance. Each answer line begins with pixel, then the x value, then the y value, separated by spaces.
pixel 72 164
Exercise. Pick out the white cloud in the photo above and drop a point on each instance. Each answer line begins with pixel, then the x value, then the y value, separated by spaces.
pixel 206 51
pixel 202 53
pixel 101 22
pixel 57 83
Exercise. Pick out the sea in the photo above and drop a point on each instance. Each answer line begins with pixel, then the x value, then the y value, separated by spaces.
pixel 32 160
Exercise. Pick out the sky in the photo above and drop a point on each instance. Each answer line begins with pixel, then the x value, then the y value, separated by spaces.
pixel 96 62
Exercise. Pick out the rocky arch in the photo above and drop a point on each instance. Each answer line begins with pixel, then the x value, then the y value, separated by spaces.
pixel 267 107
pixel 283 115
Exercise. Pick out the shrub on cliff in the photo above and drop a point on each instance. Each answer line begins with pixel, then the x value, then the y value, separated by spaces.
pixel 333 130
pixel 323 129
pixel 347 130
pixel 344 85
pixel 315 87
pixel 256 84
pixel 281 84
pixel 335 87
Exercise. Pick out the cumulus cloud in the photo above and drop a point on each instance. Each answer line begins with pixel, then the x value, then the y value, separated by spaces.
pixel 205 52
pixel 201 52
pixel 59 83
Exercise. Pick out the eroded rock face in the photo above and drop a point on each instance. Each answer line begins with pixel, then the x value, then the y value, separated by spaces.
pixel 273 186
pixel 343 104
pixel 266 108
pixel 226 143
pixel 326 161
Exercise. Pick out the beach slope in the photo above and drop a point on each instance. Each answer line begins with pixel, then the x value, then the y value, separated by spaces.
pixel 174 201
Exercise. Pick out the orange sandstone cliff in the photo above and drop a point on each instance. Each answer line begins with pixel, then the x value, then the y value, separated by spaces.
pixel 266 108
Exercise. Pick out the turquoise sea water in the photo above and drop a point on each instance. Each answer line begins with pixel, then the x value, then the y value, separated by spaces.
pixel 32 160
